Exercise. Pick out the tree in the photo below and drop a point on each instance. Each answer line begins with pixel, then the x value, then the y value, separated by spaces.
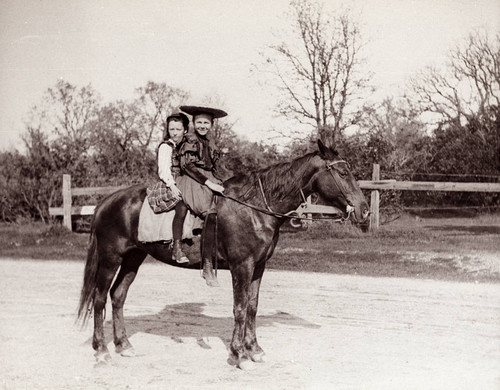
pixel 118 152
pixel 394 135
pixel 155 102
pixel 468 86
pixel 12 204
pixel 319 74
pixel 65 116
pixel 38 179
pixel 65 113
pixel 244 156
pixel 464 97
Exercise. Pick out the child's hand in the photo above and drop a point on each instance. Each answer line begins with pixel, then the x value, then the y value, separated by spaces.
pixel 176 193
pixel 214 187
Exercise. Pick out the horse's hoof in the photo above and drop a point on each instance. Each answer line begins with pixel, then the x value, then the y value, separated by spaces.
pixel 211 281
pixel 232 361
pixel 259 357
pixel 102 357
pixel 129 352
pixel 246 365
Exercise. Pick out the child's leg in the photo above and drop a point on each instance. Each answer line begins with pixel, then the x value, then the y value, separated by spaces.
pixel 177 227
pixel 178 223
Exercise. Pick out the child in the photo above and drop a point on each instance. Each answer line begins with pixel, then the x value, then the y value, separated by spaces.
pixel 166 195
pixel 198 180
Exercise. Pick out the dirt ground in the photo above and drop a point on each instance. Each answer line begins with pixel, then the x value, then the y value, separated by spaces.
pixel 319 331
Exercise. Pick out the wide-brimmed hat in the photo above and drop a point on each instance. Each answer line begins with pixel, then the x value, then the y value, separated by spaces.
pixel 196 110
pixel 176 113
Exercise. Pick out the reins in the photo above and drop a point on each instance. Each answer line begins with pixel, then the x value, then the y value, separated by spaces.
pixel 264 196
pixel 290 215
pixel 270 212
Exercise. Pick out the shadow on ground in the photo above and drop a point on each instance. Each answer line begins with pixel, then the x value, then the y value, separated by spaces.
pixel 186 320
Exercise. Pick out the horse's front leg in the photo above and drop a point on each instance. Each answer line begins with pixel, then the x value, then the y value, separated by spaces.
pixel 241 277
pixel 126 276
pixel 254 351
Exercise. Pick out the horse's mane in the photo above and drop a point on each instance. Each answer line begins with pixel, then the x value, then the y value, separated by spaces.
pixel 278 180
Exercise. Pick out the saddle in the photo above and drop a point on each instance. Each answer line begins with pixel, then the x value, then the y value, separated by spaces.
pixel 154 227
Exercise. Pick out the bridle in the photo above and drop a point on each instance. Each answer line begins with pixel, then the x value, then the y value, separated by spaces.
pixel 290 214
pixel 340 185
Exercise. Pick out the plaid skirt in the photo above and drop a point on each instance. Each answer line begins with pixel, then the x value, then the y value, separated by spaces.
pixel 197 197
pixel 160 197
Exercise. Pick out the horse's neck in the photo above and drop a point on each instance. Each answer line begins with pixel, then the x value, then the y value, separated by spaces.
pixel 294 189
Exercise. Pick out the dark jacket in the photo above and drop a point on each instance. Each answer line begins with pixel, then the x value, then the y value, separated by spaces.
pixel 197 156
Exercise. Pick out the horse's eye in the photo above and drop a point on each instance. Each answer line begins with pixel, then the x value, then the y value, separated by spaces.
pixel 343 174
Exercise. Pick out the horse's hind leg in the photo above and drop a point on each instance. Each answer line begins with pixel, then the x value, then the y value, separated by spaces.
pixel 254 351
pixel 105 276
pixel 128 271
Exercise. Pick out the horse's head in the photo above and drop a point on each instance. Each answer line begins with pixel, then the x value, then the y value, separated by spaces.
pixel 336 186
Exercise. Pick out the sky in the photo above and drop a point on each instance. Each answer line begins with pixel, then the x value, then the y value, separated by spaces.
pixel 206 47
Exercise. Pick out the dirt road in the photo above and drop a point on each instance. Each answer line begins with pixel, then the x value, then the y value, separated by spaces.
pixel 319 332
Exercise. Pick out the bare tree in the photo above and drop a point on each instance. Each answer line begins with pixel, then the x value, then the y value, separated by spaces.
pixel 395 124
pixel 320 76
pixel 469 84
pixel 118 125
pixel 66 112
pixel 155 102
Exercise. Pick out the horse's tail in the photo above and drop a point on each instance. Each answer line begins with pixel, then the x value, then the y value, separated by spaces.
pixel 87 294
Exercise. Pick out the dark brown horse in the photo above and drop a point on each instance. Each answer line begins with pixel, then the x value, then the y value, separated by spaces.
pixel 246 240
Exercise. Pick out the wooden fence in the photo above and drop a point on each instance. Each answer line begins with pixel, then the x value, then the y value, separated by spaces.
pixel 376 185
pixel 67 209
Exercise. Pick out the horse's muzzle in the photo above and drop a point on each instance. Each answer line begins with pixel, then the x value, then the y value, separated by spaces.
pixel 362 217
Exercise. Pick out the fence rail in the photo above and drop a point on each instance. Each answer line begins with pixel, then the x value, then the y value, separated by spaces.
pixel 67 209
pixel 428 186
pixel 376 185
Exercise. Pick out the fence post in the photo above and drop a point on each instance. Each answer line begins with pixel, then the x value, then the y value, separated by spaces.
pixel 66 194
pixel 375 200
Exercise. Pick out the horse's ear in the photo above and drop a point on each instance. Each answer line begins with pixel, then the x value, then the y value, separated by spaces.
pixel 322 148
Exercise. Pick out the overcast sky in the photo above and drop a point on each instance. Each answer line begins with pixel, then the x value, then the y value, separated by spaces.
pixel 206 47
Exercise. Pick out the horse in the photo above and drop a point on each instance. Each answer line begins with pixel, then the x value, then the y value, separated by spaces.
pixel 249 215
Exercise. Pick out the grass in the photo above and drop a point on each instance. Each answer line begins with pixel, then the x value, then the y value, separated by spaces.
pixel 410 247
pixel 435 248
pixel 40 241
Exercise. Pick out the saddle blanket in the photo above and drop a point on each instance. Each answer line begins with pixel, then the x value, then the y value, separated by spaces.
pixel 155 227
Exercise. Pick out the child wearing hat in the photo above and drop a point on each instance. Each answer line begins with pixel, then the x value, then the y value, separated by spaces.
pixel 198 180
